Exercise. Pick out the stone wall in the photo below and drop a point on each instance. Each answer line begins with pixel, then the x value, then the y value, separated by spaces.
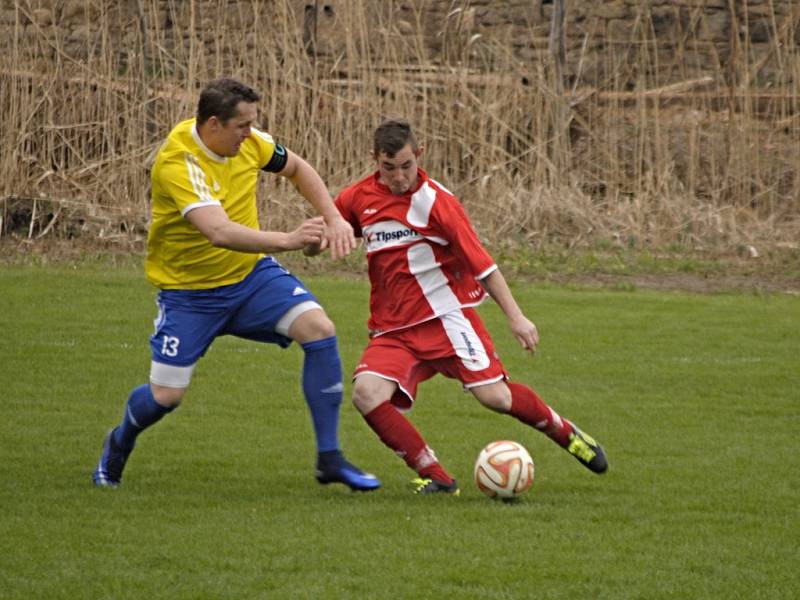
pixel 682 39
pixel 673 40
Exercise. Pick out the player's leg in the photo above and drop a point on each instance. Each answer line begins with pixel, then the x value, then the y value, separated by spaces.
pixel 323 389
pixel 522 403
pixel 181 336
pixel 389 374
pixel 322 372
pixel 529 408
pixel 525 405
pixel 277 308
pixel 149 402
pixel 146 405
pixel 479 368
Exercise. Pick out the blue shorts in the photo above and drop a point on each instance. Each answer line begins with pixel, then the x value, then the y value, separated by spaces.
pixel 189 320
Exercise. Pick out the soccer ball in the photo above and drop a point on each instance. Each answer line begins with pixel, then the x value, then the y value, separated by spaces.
pixel 504 470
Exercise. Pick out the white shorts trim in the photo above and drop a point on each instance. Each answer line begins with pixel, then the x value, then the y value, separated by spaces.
pixel 400 388
pixel 170 376
pixel 468 386
pixel 285 322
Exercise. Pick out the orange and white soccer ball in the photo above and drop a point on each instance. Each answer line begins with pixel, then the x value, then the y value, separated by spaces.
pixel 504 470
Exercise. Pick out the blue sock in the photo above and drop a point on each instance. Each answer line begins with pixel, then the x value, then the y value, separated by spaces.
pixel 322 386
pixel 141 411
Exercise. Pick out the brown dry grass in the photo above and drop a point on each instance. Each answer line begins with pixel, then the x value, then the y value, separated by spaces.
pixel 625 160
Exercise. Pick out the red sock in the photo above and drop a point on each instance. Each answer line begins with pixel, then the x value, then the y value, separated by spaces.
pixel 400 435
pixel 531 410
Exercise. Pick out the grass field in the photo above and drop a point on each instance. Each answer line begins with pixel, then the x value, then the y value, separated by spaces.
pixel 695 398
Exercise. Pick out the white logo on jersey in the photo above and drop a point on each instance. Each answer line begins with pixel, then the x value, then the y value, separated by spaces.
pixel 388 234
pixel 370 211
pixel 298 291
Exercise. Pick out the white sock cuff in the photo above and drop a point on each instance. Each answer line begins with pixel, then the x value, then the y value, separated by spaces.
pixel 170 375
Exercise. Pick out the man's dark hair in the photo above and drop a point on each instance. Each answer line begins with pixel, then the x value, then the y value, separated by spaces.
pixel 392 135
pixel 220 99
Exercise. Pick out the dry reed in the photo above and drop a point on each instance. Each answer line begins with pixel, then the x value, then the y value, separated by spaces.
pixel 623 157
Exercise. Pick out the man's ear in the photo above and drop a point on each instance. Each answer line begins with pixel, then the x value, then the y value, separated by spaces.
pixel 420 151
pixel 213 122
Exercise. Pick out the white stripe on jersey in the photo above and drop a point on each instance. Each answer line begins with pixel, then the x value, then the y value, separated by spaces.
pixel 419 212
pixel 465 341
pixel 198 180
pixel 422 264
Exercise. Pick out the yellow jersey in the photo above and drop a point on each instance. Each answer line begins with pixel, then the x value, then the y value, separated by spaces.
pixel 186 175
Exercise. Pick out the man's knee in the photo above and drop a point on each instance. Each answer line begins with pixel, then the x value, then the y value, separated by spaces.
pixel 369 392
pixel 312 325
pixel 169 383
pixel 167 396
pixel 495 396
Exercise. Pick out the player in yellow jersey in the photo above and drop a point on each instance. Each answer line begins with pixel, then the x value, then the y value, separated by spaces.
pixel 208 257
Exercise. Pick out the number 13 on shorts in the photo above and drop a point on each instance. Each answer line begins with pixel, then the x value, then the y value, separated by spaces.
pixel 170 344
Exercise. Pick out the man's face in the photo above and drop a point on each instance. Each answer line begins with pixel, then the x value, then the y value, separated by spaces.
pixel 226 138
pixel 399 172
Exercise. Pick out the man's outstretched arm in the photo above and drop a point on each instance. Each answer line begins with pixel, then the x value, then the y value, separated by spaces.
pixel 338 234
pixel 522 328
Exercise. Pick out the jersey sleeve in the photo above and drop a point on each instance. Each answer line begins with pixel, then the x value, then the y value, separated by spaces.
pixel 453 220
pixel 344 203
pixel 183 180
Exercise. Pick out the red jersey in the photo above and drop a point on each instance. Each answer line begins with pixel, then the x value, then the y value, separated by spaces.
pixel 424 257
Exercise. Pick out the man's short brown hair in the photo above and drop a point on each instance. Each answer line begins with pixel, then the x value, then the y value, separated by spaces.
pixel 221 98
pixel 392 135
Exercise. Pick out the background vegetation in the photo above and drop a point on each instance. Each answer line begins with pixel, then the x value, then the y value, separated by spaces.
pixel 622 157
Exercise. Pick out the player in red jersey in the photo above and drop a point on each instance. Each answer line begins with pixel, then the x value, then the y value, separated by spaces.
pixel 428 269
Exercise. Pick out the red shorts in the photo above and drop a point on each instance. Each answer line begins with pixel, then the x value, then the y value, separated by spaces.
pixel 456 345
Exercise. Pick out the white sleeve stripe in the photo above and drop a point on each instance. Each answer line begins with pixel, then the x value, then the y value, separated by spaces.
pixel 487 272
pixel 194 205
pixel 441 186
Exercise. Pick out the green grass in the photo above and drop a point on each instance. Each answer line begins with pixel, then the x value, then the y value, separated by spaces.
pixel 695 398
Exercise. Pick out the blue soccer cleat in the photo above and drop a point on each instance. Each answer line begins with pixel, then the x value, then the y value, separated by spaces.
pixel 109 470
pixel 333 468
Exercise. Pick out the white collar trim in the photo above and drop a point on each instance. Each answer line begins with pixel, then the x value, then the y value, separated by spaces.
pixel 208 152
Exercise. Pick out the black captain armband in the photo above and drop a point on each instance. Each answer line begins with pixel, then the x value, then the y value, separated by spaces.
pixel 278 160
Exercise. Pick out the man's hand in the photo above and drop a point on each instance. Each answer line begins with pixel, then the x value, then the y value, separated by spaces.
pixel 520 325
pixel 309 233
pixel 525 332
pixel 339 237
